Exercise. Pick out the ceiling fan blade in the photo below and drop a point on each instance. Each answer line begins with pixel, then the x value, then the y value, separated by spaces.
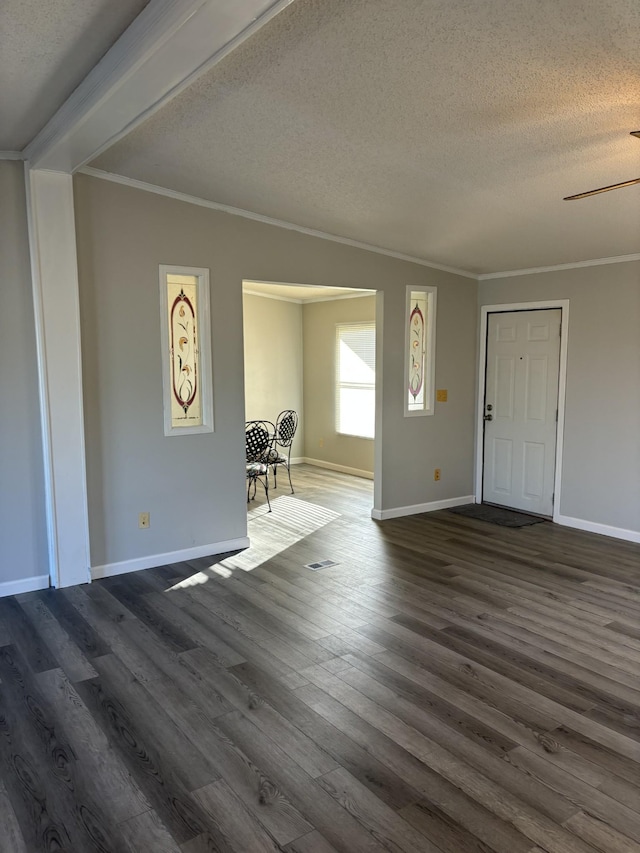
pixel 635 133
pixel 602 190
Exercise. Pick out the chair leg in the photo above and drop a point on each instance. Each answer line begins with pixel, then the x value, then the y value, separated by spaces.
pixel 288 463
pixel 255 486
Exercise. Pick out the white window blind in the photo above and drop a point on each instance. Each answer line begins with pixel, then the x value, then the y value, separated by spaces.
pixel 356 379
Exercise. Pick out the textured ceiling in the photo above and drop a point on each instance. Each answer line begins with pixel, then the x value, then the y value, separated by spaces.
pixel 48 47
pixel 446 129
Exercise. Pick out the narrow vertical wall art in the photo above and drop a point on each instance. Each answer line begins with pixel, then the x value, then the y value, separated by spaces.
pixel 186 350
pixel 420 351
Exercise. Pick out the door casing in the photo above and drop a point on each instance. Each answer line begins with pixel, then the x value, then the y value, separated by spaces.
pixel 485 310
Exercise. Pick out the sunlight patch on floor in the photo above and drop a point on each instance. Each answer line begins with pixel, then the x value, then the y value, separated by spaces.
pixel 271 533
pixel 201 577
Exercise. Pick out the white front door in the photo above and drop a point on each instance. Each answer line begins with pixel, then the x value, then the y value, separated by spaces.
pixel 520 409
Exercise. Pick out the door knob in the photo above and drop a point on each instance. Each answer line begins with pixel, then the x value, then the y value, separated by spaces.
pixel 488 417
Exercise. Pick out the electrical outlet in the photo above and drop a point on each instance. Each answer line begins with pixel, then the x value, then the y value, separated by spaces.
pixel 436 474
pixel 144 520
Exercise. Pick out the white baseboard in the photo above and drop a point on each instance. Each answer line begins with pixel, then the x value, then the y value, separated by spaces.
pixel 415 509
pixel 602 529
pixel 343 469
pixel 23 585
pixel 154 560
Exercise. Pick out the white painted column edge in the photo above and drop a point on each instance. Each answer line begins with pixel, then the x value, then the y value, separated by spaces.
pixel 61 528
pixel 43 392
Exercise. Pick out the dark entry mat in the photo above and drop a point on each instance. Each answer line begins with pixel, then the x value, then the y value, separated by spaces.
pixel 496 515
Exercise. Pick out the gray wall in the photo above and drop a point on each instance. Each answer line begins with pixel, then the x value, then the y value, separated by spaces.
pixel 273 361
pixel 319 337
pixel 601 452
pixel 414 446
pixel 194 485
pixel 23 545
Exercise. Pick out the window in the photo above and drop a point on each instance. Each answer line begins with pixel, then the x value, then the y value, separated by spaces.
pixel 356 379
pixel 420 351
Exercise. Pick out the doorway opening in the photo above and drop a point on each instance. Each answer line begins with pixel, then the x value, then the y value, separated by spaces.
pixel 521 391
pixel 312 349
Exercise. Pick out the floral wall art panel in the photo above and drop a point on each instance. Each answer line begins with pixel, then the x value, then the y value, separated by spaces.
pixel 186 350
pixel 420 332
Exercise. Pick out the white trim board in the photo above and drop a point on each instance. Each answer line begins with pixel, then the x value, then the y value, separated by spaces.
pixel 618 259
pixel 332 466
pixel 23 585
pixel 600 529
pixel 154 560
pixel 416 509
pixel 11 155
pixel 485 310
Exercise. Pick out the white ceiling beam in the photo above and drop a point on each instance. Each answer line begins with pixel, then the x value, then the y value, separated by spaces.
pixel 169 45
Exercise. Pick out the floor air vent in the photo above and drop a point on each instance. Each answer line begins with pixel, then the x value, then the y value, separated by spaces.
pixel 321 564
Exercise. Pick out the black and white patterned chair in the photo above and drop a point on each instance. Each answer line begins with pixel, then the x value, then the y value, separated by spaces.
pixel 258 440
pixel 280 454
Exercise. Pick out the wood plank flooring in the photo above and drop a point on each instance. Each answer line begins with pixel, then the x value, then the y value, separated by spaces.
pixel 450 686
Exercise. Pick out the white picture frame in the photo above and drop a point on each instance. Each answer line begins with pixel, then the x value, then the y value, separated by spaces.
pixel 420 351
pixel 185 331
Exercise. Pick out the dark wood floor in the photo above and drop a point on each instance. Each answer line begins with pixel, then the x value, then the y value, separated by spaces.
pixel 449 686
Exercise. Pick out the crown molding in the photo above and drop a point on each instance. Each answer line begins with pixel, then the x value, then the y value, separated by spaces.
pixel 11 155
pixel 267 220
pixel 323 235
pixel 248 292
pixel 164 50
pixel 338 298
pixel 349 292
pixel 618 259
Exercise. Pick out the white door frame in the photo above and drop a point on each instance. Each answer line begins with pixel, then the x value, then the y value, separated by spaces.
pixel 485 310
